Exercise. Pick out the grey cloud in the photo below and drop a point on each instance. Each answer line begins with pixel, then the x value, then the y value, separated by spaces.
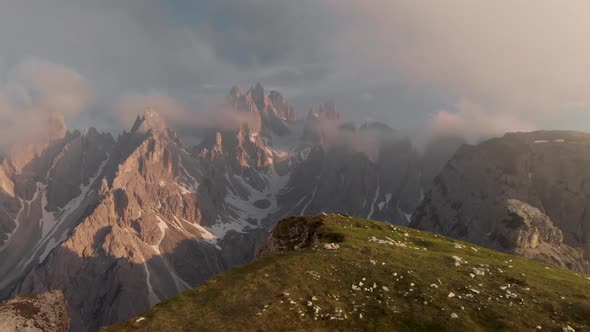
pixel 397 61
pixel 33 98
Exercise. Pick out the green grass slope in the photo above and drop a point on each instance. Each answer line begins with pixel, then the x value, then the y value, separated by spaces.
pixel 381 277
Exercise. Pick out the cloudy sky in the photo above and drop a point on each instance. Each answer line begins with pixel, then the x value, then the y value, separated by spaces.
pixel 471 66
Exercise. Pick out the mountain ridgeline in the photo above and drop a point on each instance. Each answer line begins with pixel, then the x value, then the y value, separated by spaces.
pixel 121 224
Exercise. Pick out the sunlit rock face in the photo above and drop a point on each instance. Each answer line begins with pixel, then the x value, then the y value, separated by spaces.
pixel 525 193
pixel 120 224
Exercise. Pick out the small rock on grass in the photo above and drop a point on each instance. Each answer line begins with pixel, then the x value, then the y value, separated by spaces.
pixel 331 246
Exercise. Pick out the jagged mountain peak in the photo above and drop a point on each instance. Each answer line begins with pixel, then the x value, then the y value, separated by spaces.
pixel 149 120
pixel 90 131
pixel 275 95
pixel 235 92
pixel 242 148
pixel 274 111
pixel 258 95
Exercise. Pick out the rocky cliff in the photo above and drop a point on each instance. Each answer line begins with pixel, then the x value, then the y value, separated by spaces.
pixel 525 193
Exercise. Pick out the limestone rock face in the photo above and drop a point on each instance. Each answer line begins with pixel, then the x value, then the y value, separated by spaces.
pixel 525 193
pixel 273 111
pixel 525 227
pixel 45 312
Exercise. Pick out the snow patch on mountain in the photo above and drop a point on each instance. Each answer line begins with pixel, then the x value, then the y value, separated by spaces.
pixel 407 216
pixel 385 202
pixel 374 201
pixel 16 223
pixel 247 208
pixel 163 227
pixel 153 298
pixel 180 284
pixel 188 183
pixel 205 233
pixel 315 190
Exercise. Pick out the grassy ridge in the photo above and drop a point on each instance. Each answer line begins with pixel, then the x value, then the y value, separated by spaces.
pixel 381 277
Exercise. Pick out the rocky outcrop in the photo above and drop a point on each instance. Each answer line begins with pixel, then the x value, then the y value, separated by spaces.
pixel 45 312
pixel 526 231
pixel 525 193
pixel 291 234
pixel 525 227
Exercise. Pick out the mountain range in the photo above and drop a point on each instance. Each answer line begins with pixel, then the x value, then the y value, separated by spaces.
pixel 120 224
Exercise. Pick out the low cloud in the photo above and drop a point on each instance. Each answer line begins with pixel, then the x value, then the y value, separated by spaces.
pixel 367 139
pixel 181 116
pixel 34 97
pixel 473 123
pixel 524 60
pixel 396 60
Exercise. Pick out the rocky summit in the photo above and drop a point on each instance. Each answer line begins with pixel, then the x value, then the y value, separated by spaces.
pixel 338 273
pixel 121 224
